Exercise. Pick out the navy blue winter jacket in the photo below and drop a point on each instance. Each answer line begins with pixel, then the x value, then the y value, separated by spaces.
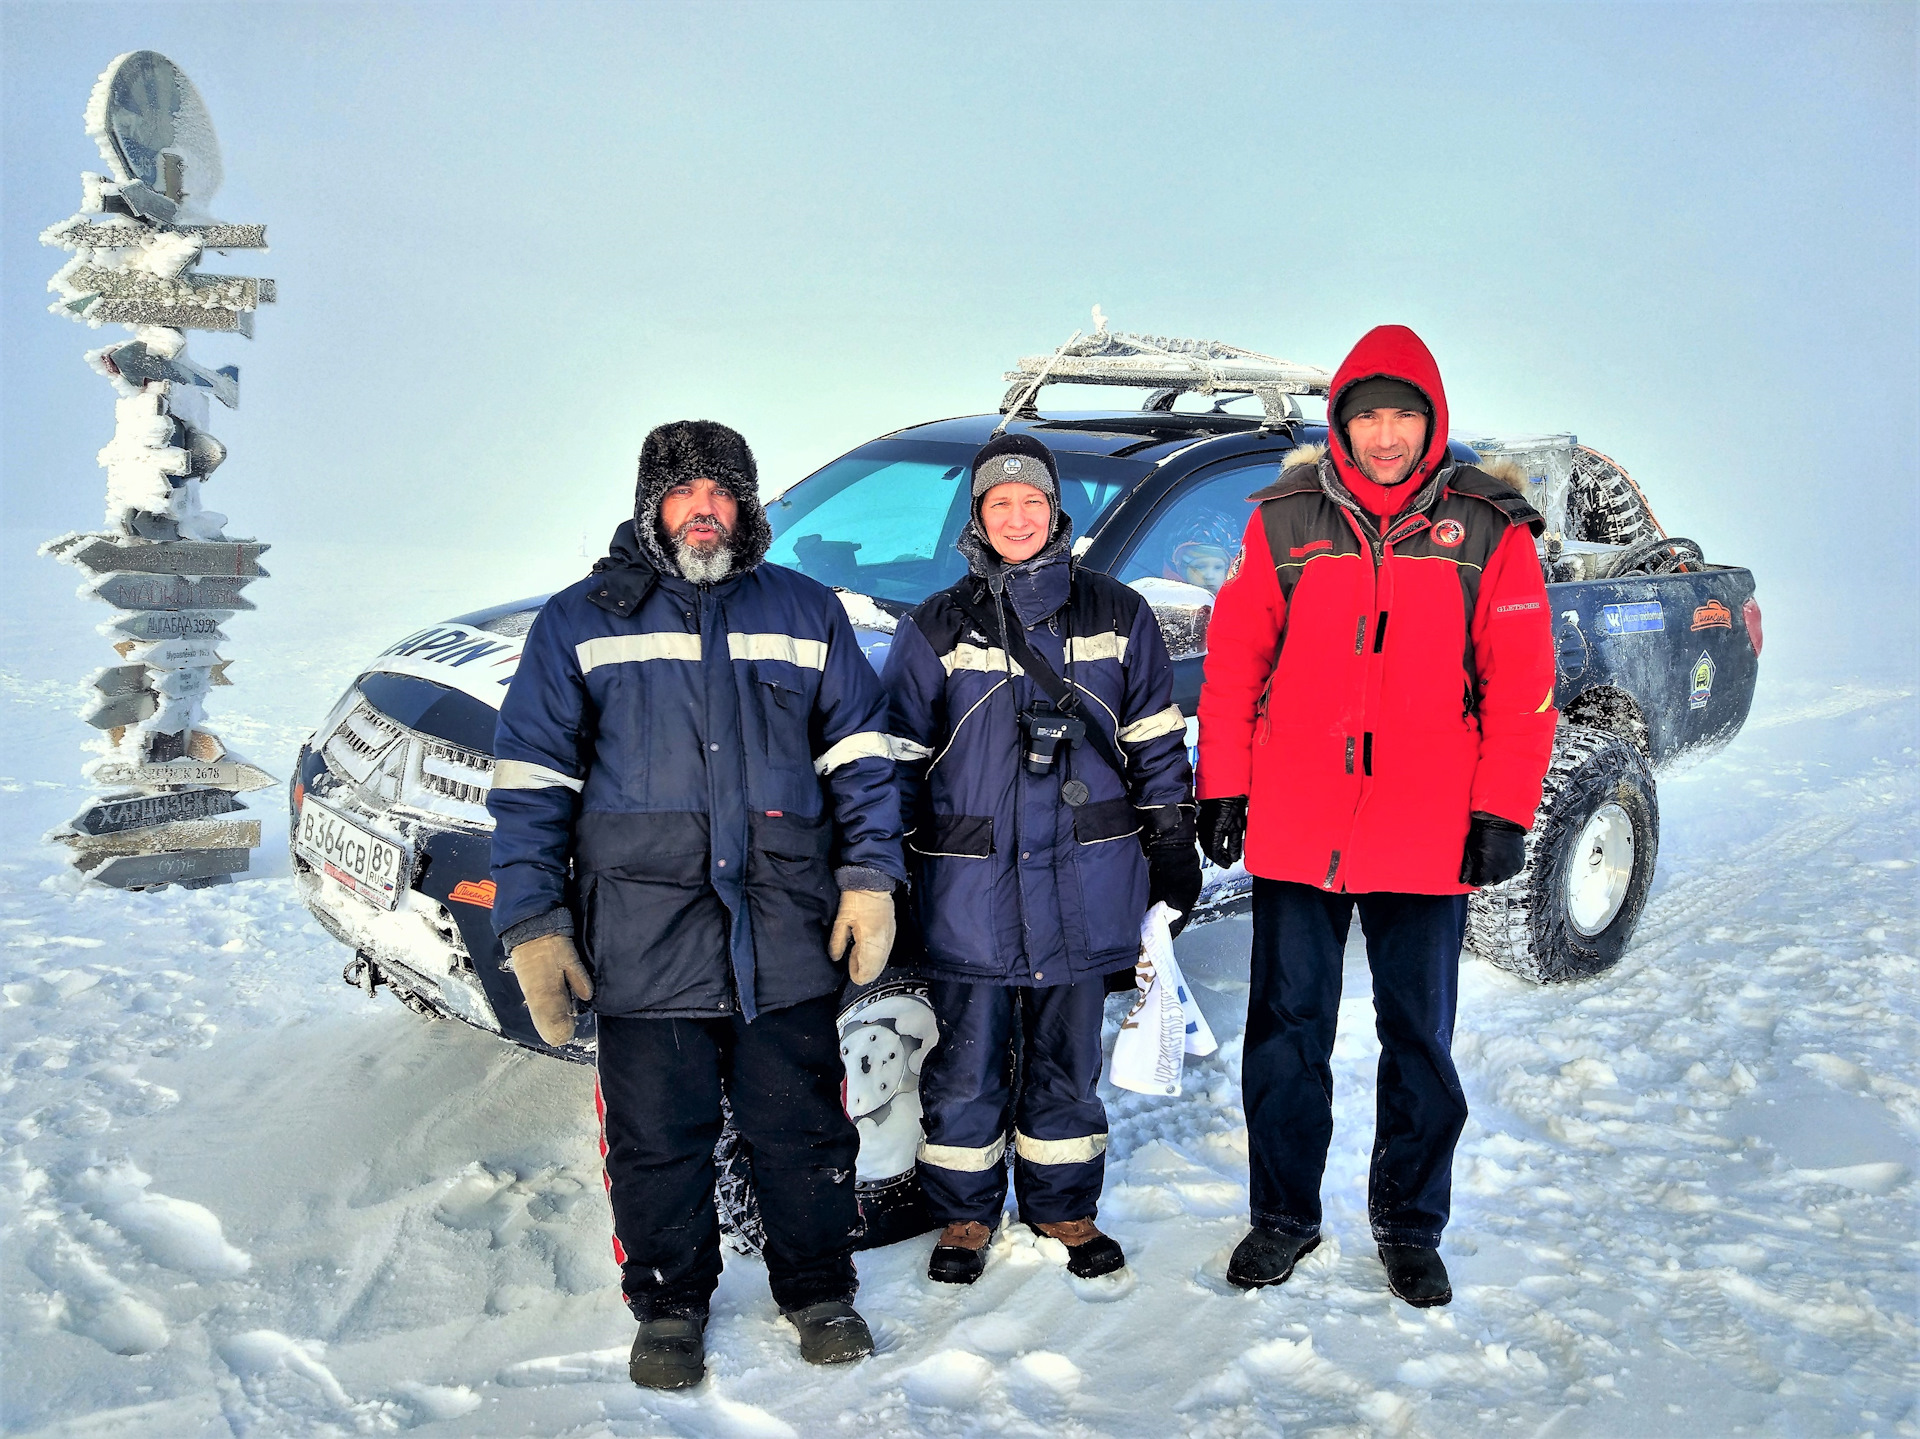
pixel 705 757
pixel 1012 884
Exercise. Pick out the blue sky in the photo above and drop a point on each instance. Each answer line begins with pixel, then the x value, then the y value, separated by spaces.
pixel 510 239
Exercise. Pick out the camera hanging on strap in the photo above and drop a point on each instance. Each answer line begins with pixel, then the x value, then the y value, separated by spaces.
pixel 1046 727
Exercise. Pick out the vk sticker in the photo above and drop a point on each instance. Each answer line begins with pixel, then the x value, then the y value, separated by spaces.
pixel 1635 619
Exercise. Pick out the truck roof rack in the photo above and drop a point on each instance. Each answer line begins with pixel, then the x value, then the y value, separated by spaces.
pixel 1165 366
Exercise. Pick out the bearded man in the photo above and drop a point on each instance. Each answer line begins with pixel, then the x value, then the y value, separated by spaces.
pixel 695 830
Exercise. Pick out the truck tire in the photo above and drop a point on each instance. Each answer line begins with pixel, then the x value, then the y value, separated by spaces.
pixel 1590 855
pixel 1604 505
pixel 738 1207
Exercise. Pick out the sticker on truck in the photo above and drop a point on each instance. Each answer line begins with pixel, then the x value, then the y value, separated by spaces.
pixel 1642 617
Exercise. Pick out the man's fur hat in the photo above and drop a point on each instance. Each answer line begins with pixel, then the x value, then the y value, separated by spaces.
pixel 672 454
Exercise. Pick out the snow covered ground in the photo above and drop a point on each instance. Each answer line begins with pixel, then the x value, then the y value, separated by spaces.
pixel 240 1198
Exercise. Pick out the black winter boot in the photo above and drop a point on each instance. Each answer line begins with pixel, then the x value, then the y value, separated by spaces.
pixel 1416 1275
pixel 1089 1252
pixel 831 1332
pixel 669 1352
pixel 961 1254
pixel 1266 1256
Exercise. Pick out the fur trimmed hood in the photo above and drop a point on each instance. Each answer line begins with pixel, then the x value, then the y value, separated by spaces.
pixel 684 450
pixel 1506 472
pixel 1303 455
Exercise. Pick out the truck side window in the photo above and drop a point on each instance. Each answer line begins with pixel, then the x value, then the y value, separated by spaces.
pixel 1195 536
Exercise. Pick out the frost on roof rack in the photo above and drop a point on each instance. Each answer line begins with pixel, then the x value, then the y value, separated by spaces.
pixel 1166 366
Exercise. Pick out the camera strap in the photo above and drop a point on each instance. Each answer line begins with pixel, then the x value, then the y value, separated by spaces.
pixel 1022 653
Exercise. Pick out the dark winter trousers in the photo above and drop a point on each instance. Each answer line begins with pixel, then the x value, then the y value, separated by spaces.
pixel 1413 949
pixel 967 1098
pixel 660 1086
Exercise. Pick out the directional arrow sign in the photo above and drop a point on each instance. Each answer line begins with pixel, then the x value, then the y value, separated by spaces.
pixel 192 290
pixel 134 362
pixel 133 871
pixel 117 711
pixel 171 654
pixel 188 834
pixel 233 774
pixel 172 625
pixel 112 816
pixel 119 680
pixel 174 317
pixel 131 591
pixel 78 234
pixel 183 684
pixel 104 555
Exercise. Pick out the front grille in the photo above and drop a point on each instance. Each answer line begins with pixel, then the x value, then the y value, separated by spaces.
pixel 454 773
pixel 388 765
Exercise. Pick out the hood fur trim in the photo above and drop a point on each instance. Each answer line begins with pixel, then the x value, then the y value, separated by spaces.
pixel 685 450
pixel 1302 455
pixel 1506 472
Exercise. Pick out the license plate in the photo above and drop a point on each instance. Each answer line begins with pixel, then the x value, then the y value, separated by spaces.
pixel 376 869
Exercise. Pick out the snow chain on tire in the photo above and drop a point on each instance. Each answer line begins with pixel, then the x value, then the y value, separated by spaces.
pixel 733 1196
pixel 1524 925
pixel 1604 505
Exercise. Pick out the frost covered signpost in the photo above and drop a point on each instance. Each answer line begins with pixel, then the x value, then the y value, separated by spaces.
pixel 163 562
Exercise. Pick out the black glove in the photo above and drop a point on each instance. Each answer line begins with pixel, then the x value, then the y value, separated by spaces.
pixel 1223 829
pixel 1496 850
pixel 1173 865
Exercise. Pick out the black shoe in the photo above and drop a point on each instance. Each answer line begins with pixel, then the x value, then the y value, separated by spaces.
pixel 1266 1256
pixel 960 1255
pixel 1416 1275
pixel 831 1332
pixel 669 1352
pixel 1089 1252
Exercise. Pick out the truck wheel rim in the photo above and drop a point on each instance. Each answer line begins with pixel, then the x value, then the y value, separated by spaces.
pixel 1601 870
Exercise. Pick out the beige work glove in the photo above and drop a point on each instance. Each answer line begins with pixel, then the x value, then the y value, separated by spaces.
pixel 548 968
pixel 865 921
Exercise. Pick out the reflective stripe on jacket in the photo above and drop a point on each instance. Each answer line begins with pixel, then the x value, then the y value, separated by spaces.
pixel 1012 884
pixel 704 756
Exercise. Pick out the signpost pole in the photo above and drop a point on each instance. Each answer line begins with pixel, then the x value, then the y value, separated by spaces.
pixel 163 562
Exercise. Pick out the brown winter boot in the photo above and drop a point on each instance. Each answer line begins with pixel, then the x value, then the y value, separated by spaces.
pixel 961 1253
pixel 1089 1252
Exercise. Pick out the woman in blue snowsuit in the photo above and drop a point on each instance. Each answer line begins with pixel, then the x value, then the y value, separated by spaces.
pixel 1045 778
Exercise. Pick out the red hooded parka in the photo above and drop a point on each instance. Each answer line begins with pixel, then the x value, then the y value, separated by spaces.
pixel 1380 664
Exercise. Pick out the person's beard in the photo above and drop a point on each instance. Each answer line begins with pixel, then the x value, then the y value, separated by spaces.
pixel 704 564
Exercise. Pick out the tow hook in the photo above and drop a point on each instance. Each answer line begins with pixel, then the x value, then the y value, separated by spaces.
pixel 362 973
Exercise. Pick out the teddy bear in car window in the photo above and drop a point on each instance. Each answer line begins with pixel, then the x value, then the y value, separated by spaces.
pixel 883 1049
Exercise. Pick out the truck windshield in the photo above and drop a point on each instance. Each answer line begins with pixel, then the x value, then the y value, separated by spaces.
pixel 883 519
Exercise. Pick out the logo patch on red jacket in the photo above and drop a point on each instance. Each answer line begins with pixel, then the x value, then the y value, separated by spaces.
pixel 1309 548
pixel 1449 533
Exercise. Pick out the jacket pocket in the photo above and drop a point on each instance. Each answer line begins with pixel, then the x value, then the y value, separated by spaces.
pixel 959 836
pixel 1109 819
pixel 786 712
pixel 791 898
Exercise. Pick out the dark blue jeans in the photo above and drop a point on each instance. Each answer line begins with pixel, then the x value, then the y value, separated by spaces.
pixel 1413 950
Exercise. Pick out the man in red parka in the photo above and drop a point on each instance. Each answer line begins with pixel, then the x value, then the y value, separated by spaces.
pixel 1374 727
